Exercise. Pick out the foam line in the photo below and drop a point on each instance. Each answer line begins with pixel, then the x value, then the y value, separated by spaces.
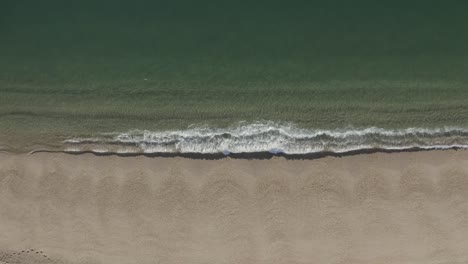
pixel 271 137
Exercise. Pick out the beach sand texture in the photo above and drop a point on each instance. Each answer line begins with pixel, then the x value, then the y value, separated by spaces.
pixel 376 208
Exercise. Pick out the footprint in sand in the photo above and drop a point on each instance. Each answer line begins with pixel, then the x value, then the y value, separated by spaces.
pixel 28 256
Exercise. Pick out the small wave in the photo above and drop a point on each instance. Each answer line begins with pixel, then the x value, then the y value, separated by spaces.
pixel 276 138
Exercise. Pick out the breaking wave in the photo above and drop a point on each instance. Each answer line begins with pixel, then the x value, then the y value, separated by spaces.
pixel 270 137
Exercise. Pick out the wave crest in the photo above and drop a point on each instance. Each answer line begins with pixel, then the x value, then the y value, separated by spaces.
pixel 270 137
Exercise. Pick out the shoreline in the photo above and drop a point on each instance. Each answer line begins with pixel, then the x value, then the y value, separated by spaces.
pixel 254 155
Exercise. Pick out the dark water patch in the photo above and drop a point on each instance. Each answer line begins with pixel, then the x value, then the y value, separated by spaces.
pixel 251 155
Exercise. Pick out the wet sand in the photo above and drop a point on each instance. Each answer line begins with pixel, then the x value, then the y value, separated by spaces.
pixel 372 208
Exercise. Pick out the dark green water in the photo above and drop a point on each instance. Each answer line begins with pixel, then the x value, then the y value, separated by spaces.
pixel 78 68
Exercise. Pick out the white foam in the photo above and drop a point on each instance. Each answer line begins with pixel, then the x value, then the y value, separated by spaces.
pixel 273 137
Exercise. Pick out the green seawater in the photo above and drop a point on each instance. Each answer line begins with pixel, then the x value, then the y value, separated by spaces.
pixel 79 68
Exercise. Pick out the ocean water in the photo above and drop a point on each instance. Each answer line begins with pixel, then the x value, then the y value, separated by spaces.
pixel 230 77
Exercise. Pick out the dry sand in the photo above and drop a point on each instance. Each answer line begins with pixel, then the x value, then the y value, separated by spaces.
pixel 376 208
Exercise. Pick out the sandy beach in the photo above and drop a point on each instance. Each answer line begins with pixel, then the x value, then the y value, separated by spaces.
pixel 373 208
